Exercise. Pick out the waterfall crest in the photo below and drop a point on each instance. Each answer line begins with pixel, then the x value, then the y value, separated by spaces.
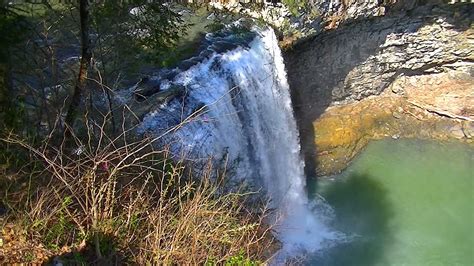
pixel 249 118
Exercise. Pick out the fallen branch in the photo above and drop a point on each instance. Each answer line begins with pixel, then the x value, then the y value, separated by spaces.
pixel 414 115
pixel 440 112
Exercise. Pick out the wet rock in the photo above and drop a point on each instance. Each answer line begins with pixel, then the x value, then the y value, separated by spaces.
pixel 344 130
pixel 168 74
pixel 468 129
pixel 145 87
pixel 187 64
pixel 142 107
pixel 223 46
pixel 457 131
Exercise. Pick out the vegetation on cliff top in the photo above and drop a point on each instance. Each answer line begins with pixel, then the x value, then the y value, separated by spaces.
pixel 114 200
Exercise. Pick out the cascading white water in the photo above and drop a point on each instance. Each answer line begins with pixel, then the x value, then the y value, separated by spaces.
pixel 249 118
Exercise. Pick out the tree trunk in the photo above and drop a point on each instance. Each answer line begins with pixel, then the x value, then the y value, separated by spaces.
pixel 86 56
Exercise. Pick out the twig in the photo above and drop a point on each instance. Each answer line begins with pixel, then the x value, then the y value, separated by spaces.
pixel 440 112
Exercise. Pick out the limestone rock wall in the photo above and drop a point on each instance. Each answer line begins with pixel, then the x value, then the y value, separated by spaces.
pixel 364 58
pixel 388 54
pixel 303 18
pixel 339 11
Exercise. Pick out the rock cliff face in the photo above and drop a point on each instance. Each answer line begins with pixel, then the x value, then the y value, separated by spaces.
pixel 336 12
pixel 364 58
pixel 303 18
pixel 369 56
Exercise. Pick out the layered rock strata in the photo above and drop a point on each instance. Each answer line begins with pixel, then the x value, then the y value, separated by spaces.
pixel 407 74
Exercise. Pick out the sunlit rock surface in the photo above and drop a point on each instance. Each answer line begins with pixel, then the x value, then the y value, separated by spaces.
pixel 418 65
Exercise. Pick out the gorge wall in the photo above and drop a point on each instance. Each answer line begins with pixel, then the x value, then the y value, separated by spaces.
pixel 408 73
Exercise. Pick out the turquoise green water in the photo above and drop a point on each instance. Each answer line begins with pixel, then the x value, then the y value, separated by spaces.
pixel 405 202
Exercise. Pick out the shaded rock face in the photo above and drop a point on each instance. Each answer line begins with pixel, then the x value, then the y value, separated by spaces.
pixel 336 12
pixel 300 19
pixel 389 55
pixel 364 58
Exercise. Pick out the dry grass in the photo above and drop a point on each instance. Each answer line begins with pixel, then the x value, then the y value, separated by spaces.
pixel 110 200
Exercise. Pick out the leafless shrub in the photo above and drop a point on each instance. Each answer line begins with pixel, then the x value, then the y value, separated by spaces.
pixel 115 195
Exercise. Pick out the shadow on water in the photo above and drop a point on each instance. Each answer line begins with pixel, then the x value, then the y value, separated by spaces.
pixel 363 212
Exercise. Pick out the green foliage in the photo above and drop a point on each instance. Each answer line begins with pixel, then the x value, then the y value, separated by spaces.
pixel 12 29
pixel 76 258
pixel 236 260
pixel 13 112
pixel 29 256
pixel 37 37
pixel 104 243
pixel 294 6
pixel 241 260
pixel 58 233
pixel 215 26
pixel 149 30
pixel 314 13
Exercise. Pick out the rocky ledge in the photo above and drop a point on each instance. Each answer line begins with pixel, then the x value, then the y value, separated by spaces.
pixel 406 74
pixel 435 106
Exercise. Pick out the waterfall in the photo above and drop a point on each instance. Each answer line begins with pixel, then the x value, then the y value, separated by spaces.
pixel 248 117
